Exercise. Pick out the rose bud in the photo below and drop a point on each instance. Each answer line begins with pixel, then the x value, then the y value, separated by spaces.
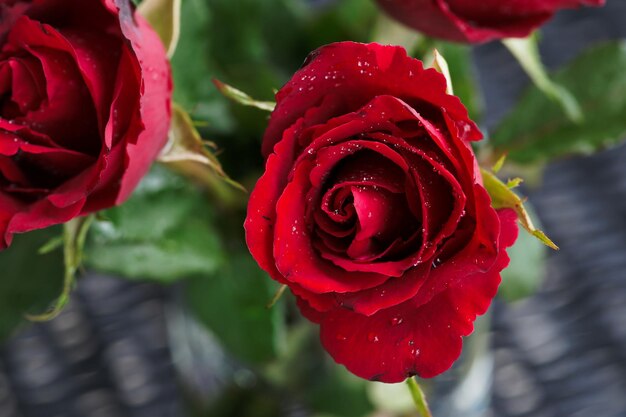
pixel 372 211
pixel 477 21
pixel 84 108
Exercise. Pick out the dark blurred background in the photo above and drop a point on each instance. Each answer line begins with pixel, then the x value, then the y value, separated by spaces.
pixel 128 349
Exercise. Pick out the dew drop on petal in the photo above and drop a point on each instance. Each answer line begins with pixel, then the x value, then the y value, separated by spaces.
pixel 396 321
pixel 372 337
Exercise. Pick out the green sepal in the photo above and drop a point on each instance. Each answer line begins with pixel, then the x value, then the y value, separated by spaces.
pixel 502 196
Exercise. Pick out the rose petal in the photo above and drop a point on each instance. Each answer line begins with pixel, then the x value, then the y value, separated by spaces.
pixel 472 21
pixel 296 258
pixel 8 207
pixel 261 216
pixel 355 73
pixel 406 340
pixel 155 102
pixel 24 77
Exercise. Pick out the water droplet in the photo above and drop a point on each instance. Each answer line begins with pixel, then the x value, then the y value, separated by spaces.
pixel 396 321
pixel 372 337
pixel 341 337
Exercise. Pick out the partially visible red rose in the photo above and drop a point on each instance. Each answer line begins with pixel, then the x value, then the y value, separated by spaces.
pixel 477 21
pixel 84 108
pixel 372 211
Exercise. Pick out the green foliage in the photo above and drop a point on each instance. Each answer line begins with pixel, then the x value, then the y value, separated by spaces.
pixel 164 232
pixel 232 303
pixel 335 382
pixel 537 130
pixel 257 51
pixel 502 196
pixel 526 51
pixel 30 281
pixel 242 98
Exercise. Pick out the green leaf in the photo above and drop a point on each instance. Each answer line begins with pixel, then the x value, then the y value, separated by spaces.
pixel 186 144
pixel 334 382
pixel 523 276
pixel 503 197
pixel 242 98
pixel 29 281
pixel 187 154
pixel 499 164
pixel 232 303
pixel 164 17
pixel 164 232
pixel 536 130
pixel 526 51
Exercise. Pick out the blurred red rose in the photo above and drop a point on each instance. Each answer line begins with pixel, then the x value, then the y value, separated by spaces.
pixel 84 108
pixel 478 21
pixel 371 210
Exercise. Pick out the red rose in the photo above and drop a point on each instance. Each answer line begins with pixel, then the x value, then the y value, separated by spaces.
pixel 478 21
pixel 371 210
pixel 84 108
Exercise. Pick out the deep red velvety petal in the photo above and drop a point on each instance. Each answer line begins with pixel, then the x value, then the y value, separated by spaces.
pixel 443 211
pixel 327 158
pixel 477 255
pixel 9 13
pixel 487 10
pixel 60 161
pixel 42 166
pixel 343 128
pixel 389 294
pixel 97 57
pixel 296 258
pixel 155 102
pixel 408 339
pixel 106 71
pixel 23 79
pixel 123 122
pixel 353 74
pixel 259 224
pixel 8 207
pixel 477 21
pixel 67 97
pixel 261 215
pixel 42 214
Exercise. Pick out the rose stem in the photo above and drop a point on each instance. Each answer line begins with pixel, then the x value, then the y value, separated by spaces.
pixel 419 398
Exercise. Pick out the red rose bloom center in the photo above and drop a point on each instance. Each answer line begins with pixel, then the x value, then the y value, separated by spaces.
pixel 372 211
pixel 85 93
